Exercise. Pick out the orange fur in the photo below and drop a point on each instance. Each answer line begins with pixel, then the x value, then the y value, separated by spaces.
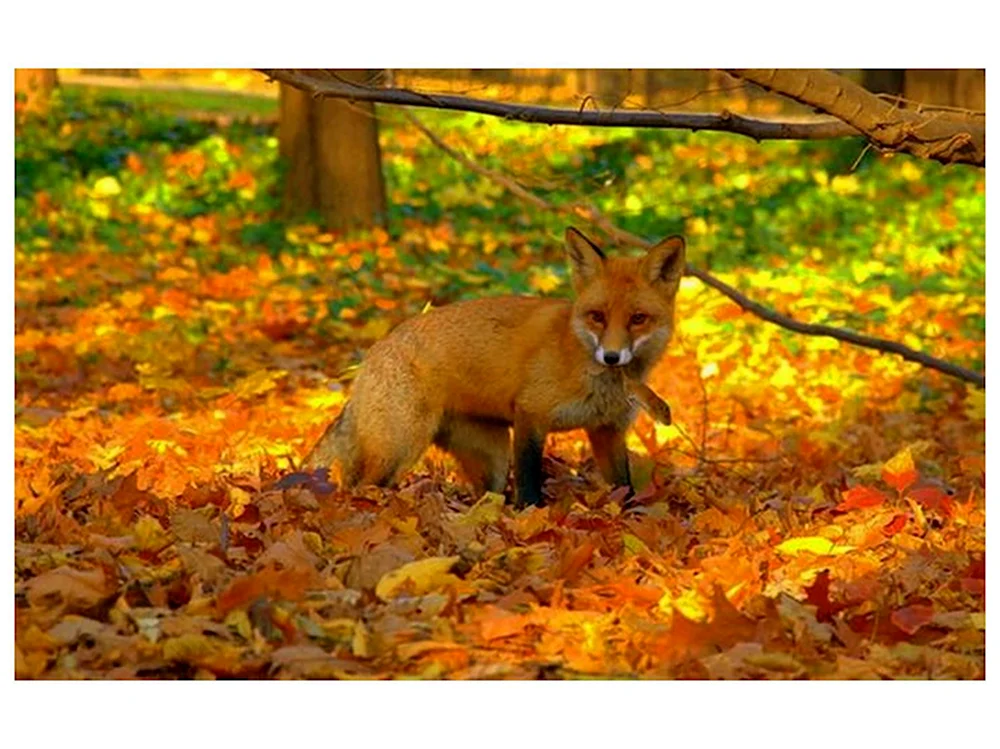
pixel 462 375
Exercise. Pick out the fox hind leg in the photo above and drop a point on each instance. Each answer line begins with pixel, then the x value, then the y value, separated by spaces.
pixel 337 446
pixel 482 449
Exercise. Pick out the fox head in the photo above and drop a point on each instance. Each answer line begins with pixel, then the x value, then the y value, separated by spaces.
pixel 624 308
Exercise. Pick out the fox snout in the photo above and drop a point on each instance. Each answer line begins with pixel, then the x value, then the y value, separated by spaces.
pixel 613 357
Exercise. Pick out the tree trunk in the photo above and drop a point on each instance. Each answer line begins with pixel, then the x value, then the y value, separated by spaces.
pixel 883 80
pixel 332 152
pixel 33 88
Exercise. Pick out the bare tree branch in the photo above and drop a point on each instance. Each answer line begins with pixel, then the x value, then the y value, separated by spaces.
pixel 595 217
pixel 318 84
pixel 945 136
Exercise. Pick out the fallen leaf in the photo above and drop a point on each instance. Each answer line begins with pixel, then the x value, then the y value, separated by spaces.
pixel 417 578
pixel 912 618
pixel 811 544
pixel 899 471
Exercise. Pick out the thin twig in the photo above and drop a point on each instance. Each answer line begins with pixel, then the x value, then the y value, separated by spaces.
pixel 595 217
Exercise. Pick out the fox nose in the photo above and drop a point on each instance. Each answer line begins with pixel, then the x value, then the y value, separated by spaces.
pixel 611 357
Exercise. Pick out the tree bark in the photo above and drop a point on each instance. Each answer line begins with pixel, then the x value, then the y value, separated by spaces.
pixel 884 80
pixel 332 153
pixel 758 129
pixel 948 137
pixel 33 88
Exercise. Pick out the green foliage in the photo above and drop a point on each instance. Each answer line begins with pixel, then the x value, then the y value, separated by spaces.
pixel 772 204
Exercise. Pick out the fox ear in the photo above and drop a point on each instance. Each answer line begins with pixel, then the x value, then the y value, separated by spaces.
pixel 665 261
pixel 585 256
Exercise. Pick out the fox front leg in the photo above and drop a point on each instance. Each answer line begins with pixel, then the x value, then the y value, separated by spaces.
pixel 611 455
pixel 528 443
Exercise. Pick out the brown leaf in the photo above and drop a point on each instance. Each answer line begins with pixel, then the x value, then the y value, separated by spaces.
pixel 193 526
pixel 76 590
pixel 912 618
pixel 367 569
pixel 312 662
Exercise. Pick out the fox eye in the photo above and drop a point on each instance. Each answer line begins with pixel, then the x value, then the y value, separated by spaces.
pixel 638 318
pixel 596 317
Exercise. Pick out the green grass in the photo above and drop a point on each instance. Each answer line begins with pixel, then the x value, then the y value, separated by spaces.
pixel 181 102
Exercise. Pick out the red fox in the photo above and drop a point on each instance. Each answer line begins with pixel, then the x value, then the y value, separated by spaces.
pixel 461 376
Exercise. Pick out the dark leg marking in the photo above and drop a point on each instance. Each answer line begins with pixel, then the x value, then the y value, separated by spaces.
pixel 528 446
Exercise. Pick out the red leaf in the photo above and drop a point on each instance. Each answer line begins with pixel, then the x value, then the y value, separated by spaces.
pixel 818 595
pixel 895 525
pixel 934 499
pixel 859 497
pixel 912 618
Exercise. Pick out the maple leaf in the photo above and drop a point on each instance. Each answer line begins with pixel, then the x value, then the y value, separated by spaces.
pixel 818 595
pixel 899 471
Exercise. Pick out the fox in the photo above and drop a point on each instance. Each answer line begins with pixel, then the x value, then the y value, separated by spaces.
pixel 468 375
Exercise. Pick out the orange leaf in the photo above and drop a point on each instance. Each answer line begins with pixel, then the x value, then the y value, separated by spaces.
pixel 899 472
pixel 859 497
pixel 577 560
pixel 504 626
pixel 895 525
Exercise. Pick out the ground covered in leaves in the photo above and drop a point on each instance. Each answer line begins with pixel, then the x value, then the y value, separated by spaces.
pixel 816 511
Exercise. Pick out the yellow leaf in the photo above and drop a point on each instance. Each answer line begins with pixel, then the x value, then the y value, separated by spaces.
pixel 975 404
pixel 487 510
pixel 697 225
pixel 544 280
pixel 325 399
pixel 258 383
pixel 899 471
pixel 811 544
pixel 785 376
pixel 417 578
pixel 910 172
pixel 200 650
pixel 361 641
pixel 149 534
pixel 845 184
pixel 106 187
pixel 664 433
pixel 238 500
pixel 634 544
pixel 105 457
pixel 100 209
